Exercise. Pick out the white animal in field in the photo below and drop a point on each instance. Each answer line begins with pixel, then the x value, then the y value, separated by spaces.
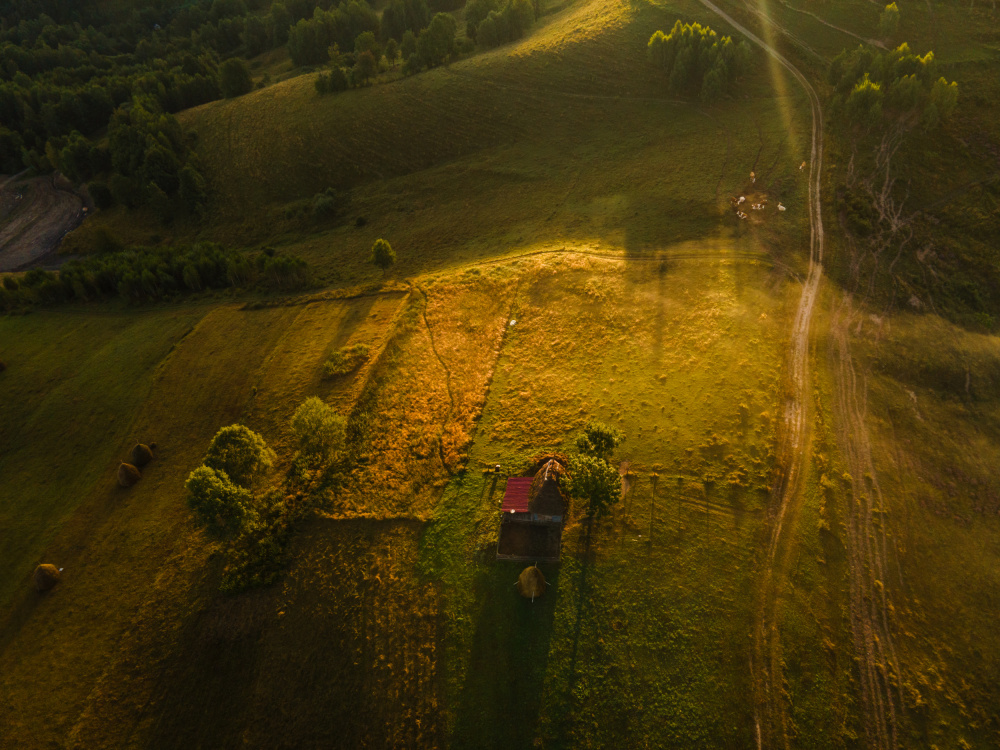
pixel 753 177
pixel 742 199
pixel 780 207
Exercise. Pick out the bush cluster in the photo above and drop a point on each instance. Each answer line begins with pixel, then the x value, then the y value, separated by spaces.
pixel 150 274
pixel 222 495
pixel 698 61
pixel 345 360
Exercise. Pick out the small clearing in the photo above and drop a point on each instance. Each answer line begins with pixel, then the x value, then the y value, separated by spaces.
pixel 34 217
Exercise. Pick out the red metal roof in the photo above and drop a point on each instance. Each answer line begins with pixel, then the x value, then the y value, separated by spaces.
pixel 515 497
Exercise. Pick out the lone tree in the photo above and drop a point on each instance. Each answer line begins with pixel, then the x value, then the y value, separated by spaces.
pixel 383 255
pixel 234 78
pixel 599 440
pixel 888 22
pixel 594 482
pixel 240 453
pixel 319 429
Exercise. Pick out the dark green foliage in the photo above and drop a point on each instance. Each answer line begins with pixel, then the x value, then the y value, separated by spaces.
pixel 240 453
pixel 365 68
pixel 329 203
pixel 234 78
pixel 391 51
pixel 402 16
pixel 150 274
pixel 599 440
pixel 254 527
pixel 698 61
pixel 101 194
pixel 436 43
pixel 192 189
pixel 896 89
pixel 476 12
pixel 503 25
pixel 332 81
pixel 408 45
pixel 310 39
pixel 383 255
pixel 595 483
pixel 219 504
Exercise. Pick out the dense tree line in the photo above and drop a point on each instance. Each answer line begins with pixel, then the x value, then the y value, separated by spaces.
pixel 150 274
pixel 898 89
pixel 67 70
pixel 698 61
pixel 491 23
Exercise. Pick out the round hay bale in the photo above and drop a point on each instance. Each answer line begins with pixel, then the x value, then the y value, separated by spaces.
pixel 531 583
pixel 142 454
pixel 45 577
pixel 128 475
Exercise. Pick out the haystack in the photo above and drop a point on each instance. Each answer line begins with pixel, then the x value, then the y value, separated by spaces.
pixel 45 577
pixel 545 496
pixel 128 475
pixel 142 454
pixel 531 583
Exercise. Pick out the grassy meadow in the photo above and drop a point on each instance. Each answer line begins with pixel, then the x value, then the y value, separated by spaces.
pixel 566 252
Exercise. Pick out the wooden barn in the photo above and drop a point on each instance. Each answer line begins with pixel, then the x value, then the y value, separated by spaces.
pixel 534 509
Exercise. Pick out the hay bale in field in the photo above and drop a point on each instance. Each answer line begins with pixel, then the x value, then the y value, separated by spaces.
pixel 142 454
pixel 531 583
pixel 128 475
pixel 545 498
pixel 45 577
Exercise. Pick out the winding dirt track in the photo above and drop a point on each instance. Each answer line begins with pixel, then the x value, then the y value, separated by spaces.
pixel 765 666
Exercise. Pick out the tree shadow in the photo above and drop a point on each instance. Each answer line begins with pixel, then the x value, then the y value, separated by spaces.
pixel 582 598
pixel 501 697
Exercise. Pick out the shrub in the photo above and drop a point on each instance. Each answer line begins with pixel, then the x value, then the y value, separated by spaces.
pixel 240 453
pixel 11 283
pixel 319 429
pixel 329 203
pixel 234 78
pixel 345 360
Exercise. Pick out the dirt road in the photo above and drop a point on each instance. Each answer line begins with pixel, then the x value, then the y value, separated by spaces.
pixel 769 708
pixel 34 216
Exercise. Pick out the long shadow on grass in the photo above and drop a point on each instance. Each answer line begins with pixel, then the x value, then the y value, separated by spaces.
pixel 501 697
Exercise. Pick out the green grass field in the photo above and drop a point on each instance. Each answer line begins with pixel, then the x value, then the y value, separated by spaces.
pixel 566 252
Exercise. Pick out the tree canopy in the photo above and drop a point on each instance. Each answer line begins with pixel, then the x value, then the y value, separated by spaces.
pixel 319 429
pixel 599 440
pixel 895 90
pixel 698 61
pixel 240 453
pixel 594 482
pixel 383 255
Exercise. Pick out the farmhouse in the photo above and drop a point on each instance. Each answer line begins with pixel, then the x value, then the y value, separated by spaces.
pixel 533 512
